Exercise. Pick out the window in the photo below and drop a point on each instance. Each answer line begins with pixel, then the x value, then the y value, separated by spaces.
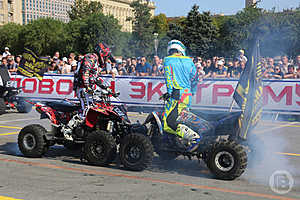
pixel 1 4
pixel 2 18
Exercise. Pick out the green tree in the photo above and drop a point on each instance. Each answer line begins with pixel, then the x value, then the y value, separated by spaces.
pixel 9 36
pixel 86 33
pixel 295 48
pixel 122 47
pixel 176 31
pixel 162 46
pixel 199 32
pixel 44 36
pixel 237 32
pixel 160 24
pixel 280 33
pixel 82 8
pixel 142 34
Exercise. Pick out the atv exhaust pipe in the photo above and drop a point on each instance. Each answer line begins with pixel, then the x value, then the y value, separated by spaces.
pixel 110 126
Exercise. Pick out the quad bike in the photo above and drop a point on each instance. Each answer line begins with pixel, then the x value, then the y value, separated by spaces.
pixel 9 100
pixel 104 128
pixel 219 145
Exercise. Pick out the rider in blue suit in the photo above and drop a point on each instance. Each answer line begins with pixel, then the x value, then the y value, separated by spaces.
pixel 181 80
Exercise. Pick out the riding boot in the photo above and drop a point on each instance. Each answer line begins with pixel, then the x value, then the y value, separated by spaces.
pixel 73 123
pixel 191 137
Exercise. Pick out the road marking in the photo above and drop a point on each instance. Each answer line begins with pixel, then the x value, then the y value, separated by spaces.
pixel 18 120
pixel 276 122
pixel 288 154
pixel 13 133
pixel 205 187
pixel 11 127
pixel 7 198
pixel 297 126
pixel 276 127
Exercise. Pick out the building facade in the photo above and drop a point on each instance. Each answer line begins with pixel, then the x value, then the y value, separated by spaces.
pixel 10 11
pixel 34 9
pixel 121 10
pixel 24 11
pixel 249 3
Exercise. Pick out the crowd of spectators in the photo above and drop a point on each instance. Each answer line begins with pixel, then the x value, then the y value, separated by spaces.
pixel 216 67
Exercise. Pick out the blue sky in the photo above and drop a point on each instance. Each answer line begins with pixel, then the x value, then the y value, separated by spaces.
pixel 181 7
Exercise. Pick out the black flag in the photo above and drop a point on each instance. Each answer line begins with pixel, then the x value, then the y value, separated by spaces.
pixel 33 66
pixel 248 93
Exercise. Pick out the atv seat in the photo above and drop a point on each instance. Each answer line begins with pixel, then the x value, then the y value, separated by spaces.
pixel 217 115
pixel 63 106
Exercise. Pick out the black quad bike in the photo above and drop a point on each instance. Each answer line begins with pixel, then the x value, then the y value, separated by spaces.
pixel 9 100
pixel 105 131
pixel 219 145
pixel 8 95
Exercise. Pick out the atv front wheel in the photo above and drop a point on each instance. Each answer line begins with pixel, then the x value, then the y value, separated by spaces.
pixel 100 148
pixel 227 160
pixel 32 142
pixel 136 152
pixel 2 106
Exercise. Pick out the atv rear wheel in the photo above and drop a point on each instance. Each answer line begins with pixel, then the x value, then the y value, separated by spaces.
pixel 2 106
pixel 136 152
pixel 100 148
pixel 23 106
pixel 227 160
pixel 32 142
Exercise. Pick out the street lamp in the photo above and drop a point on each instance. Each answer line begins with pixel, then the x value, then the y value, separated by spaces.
pixel 155 42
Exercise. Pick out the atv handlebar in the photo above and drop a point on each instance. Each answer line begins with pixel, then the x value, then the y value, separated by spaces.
pixel 104 94
pixel 165 97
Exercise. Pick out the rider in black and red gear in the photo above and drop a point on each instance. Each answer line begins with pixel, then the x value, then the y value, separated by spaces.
pixel 86 79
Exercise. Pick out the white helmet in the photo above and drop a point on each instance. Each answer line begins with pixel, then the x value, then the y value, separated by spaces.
pixel 177 45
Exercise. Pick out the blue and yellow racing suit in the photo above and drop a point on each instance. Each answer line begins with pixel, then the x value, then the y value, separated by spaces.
pixel 181 80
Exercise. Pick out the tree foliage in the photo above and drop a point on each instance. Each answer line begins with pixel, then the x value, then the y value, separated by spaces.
pixel 278 32
pixel 199 32
pixel 142 34
pixel 82 8
pixel 44 36
pixel 9 35
pixel 160 24
pixel 203 34
pixel 85 33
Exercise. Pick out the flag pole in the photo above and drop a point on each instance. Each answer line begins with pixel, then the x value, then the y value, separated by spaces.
pixel 231 105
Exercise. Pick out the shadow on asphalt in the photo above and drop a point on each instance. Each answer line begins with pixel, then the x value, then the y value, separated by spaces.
pixel 179 166
pixel 10 112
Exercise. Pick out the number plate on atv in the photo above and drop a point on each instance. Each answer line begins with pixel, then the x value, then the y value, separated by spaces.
pixel 118 111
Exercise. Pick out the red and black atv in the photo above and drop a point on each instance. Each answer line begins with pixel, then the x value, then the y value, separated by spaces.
pixel 104 128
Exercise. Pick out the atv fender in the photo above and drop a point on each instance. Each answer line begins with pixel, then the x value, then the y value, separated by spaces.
pixel 154 117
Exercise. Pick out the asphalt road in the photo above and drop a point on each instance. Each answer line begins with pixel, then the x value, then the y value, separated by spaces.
pixel 60 175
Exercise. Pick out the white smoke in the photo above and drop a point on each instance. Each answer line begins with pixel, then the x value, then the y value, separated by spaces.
pixel 269 158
